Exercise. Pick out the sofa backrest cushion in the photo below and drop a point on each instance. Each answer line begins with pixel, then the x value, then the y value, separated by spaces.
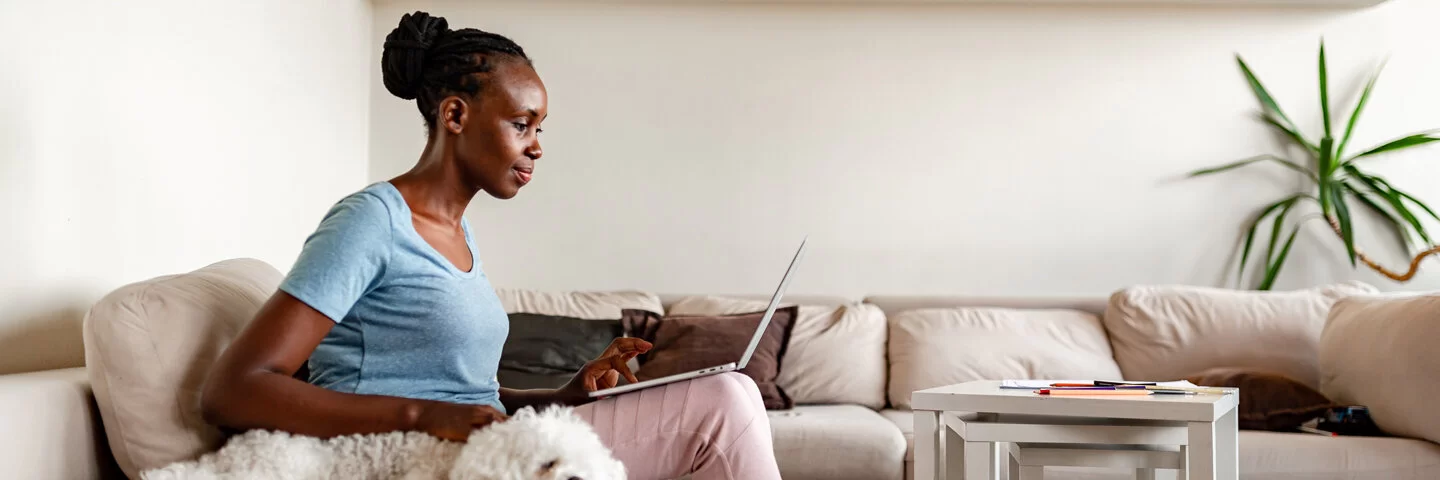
pixel 1167 332
pixel 550 338
pixel 148 347
pixel 932 347
pixel 893 304
pixel 1379 351
pixel 590 305
pixel 836 352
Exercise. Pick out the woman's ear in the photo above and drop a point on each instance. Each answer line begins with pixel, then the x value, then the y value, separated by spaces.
pixel 454 114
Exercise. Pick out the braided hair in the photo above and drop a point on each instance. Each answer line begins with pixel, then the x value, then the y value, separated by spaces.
pixel 426 61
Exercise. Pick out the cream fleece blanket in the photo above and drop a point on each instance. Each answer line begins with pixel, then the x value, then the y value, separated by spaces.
pixel 554 444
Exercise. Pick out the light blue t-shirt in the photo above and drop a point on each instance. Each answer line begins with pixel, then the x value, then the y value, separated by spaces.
pixel 408 322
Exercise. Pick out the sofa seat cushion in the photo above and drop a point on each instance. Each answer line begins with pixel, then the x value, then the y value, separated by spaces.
pixel 905 421
pixel 1276 456
pixel 837 442
pixel 1296 456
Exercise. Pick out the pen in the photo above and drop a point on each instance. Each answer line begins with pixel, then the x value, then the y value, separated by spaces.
pixel 1217 391
pixel 1084 391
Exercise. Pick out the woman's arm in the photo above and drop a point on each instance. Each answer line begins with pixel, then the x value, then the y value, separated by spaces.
pixel 251 386
pixel 515 399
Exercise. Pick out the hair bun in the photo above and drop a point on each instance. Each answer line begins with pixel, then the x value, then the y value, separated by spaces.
pixel 402 63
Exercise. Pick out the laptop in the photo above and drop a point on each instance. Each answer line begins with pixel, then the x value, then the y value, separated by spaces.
pixel 729 367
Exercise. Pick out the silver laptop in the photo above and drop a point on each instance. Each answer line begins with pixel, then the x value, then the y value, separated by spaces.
pixel 729 367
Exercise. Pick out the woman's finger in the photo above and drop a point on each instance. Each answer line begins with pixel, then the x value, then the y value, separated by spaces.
pixel 612 378
pixel 589 379
pixel 618 363
pixel 633 344
pixel 627 345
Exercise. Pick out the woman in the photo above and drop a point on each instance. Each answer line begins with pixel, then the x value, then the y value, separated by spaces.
pixel 401 329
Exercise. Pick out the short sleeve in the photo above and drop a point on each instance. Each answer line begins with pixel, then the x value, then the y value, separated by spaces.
pixel 344 258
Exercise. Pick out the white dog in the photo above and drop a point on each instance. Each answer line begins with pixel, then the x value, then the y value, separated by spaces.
pixel 553 445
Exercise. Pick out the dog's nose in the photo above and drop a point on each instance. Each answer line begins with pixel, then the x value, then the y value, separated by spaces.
pixel 575 478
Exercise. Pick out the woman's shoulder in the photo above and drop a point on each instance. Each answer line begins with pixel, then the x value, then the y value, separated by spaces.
pixel 374 202
pixel 367 213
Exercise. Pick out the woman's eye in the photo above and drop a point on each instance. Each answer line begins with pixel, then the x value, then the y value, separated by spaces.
pixel 520 126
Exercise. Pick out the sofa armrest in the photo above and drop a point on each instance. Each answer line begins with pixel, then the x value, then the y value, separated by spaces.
pixel 51 427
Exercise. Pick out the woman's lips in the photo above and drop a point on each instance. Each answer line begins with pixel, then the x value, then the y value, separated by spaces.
pixel 524 174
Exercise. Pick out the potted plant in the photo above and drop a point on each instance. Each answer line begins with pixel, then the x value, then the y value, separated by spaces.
pixel 1336 178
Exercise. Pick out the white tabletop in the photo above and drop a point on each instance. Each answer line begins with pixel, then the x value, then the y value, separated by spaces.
pixel 986 396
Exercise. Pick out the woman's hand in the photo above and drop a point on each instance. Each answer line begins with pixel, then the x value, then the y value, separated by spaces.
pixel 454 422
pixel 604 371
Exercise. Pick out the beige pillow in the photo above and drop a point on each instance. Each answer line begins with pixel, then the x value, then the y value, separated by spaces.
pixel 836 353
pixel 1165 332
pixel 1379 351
pixel 148 346
pixel 934 347
pixel 587 305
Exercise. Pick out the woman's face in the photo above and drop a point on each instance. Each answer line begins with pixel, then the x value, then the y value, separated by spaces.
pixel 498 139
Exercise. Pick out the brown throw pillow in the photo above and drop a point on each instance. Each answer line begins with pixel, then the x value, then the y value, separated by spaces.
pixel 686 343
pixel 1268 400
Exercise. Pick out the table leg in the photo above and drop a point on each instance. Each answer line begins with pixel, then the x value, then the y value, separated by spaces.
pixel 1010 453
pixel 927 445
pixel 1227 446
pixel 954 461
pixel 1200 452
pixel 1144 474
pixel 980 461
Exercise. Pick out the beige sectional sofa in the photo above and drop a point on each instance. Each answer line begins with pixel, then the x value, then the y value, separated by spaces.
pixel 850 367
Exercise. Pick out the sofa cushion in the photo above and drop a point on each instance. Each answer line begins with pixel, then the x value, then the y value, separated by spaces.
pixel 934 347
pixel 589 305
pixel 837 442
pixel 1379 351
pixel 148 346
pixel 1302 456
pixel 548 338
pixel 545 351
pixel 1268 401
pixel 1164 332
pixel 685 343
pixel 1276 456
pixel 836 353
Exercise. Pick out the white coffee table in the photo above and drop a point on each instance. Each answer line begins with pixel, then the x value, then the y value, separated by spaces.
pixel 968 430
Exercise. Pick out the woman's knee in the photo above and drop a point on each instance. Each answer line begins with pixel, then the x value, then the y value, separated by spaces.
pixel 731 392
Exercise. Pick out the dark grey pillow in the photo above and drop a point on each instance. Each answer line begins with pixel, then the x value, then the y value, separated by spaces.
pixel 545 351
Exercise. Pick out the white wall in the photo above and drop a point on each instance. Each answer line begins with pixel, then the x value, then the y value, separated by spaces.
pixel 144 138
pixel 925 149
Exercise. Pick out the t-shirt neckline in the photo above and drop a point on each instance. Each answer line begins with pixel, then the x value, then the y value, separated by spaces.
pixel 408 227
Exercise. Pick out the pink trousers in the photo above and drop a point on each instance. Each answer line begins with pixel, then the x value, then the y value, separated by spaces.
pixel 711 427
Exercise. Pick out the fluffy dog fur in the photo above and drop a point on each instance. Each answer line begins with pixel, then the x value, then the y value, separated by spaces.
pixel 552 445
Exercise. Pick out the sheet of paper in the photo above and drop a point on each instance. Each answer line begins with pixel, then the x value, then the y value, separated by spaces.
pixel 1037 384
